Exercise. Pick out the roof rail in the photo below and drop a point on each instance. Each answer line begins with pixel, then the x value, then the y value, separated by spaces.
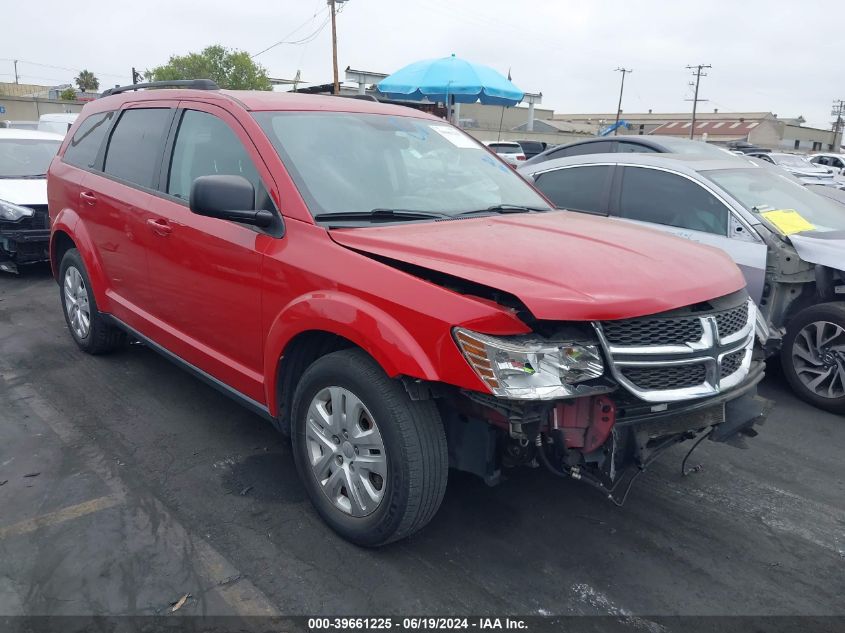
pixel 196 84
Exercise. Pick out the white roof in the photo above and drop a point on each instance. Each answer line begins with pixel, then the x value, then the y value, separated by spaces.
pixel 61 117
pixel 16 133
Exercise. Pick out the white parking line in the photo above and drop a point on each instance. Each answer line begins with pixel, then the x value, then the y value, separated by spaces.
pixel 60 516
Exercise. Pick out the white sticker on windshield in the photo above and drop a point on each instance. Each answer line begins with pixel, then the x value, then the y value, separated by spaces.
pixel 455 137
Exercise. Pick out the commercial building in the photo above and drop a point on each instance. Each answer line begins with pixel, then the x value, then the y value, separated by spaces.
pixel 760 128
pixel 27 102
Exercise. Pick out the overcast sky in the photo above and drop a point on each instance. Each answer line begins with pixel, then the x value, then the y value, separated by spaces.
pixel 778 56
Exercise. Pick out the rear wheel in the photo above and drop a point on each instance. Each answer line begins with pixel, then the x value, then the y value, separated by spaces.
pixel 373 461
pixel 813 356
pixel 87 326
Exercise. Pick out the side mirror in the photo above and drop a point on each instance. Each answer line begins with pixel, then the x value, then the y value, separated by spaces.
pixel 228 198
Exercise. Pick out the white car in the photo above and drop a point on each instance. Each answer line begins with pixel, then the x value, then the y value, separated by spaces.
pixel 25 156
pixel 57 123
pixel 509 151
pixel 834 161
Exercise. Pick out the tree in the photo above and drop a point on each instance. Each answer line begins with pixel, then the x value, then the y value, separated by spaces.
pixel 68 94
pixel 228 68
pixel 87 82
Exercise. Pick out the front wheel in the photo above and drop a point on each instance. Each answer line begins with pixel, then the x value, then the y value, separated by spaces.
pixel 374 462
pixel 813 356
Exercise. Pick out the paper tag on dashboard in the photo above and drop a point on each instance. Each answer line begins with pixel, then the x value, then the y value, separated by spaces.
pixel 455 137
pixel 788 221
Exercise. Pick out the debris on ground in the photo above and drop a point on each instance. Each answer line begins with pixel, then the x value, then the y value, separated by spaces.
pixel 32 474
pixel 175 606
pixel 245 491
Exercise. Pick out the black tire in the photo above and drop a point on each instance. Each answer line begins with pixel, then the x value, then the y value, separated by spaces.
pixel 414 446
pixel 101 337
pixel 792 365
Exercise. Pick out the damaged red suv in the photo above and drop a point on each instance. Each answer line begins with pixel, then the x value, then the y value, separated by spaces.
pixel 381 287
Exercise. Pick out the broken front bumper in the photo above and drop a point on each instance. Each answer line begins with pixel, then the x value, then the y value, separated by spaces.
pixel 22 246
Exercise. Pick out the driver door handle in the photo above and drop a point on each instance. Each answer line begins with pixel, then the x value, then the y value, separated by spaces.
pixel 159 226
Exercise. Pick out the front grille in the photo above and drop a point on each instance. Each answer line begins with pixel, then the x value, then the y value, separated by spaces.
pixel 675 355
pixel 731 363
pixel 666 377
pixel 732 321
pixel 653 331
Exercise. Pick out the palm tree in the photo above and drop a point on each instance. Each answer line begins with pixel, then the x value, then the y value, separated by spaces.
pixel 87 82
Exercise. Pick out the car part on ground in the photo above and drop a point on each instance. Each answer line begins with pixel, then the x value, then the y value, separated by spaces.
pixel 404 310
pixel 789 241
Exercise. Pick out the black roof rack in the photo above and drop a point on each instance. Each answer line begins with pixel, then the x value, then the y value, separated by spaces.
pixel 196 84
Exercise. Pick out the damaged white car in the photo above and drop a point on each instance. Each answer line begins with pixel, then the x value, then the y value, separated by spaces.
pixel 25 156
pixel 788 241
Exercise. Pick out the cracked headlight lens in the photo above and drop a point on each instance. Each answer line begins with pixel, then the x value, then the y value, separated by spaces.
pixel 527 367
pixel 14 212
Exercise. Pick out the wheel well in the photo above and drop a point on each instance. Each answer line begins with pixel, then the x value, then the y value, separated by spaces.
pixel 299 353
pixel 61 244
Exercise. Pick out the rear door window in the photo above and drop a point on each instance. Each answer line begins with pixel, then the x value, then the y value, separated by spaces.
pixel 634 148
pixel 137 144
pixel 84 147
pixel 577 188
pixel 582 149
pixel 660 197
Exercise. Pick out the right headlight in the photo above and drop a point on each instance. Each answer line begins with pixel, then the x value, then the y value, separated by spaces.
pixel 528 367
pixel 14 212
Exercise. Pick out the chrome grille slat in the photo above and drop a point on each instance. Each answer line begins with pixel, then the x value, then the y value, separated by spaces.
pixel 670 357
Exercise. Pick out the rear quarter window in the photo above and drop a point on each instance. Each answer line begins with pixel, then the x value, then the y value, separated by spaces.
pixel 84 147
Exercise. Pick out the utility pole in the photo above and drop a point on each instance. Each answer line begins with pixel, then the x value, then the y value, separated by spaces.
pixel 332 4
pixel 16 70
pixel 621 88
pixel 838 111
pixel 698 75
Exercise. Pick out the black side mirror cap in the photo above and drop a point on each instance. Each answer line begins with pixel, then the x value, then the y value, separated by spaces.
pixel 228 197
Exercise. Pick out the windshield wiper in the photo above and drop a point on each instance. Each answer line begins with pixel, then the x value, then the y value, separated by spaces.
pixel 505 208
pixel 24 177
pixel 379 214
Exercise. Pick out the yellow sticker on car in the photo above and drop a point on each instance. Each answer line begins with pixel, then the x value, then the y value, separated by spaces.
pixel 788 221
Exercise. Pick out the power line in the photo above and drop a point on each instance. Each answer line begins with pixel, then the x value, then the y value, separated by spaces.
pixel 698 75
pixel 74 70
pixel 304 40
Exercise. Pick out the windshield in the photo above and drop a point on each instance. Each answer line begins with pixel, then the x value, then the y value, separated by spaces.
pixel 762 190
pixel 791 160
pixel 26 157
pixel 684 146
pixel 348 162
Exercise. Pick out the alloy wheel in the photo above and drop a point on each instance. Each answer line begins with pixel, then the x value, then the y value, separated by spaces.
pixel 346 451
pixel 76 303
pixel 818 356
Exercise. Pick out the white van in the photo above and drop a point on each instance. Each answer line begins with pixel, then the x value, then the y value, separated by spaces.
pixel 57 123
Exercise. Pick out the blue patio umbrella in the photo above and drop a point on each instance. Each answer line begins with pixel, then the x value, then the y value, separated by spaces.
pixel 450 80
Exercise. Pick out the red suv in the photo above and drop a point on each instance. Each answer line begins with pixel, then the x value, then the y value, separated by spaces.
pixel 387 291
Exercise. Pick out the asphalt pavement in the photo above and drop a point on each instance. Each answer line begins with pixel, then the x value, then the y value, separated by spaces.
pixel 128 485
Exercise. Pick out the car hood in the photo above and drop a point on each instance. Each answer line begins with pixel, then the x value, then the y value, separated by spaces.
pixel 24 191
pixel 561 265
pixel 822 249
